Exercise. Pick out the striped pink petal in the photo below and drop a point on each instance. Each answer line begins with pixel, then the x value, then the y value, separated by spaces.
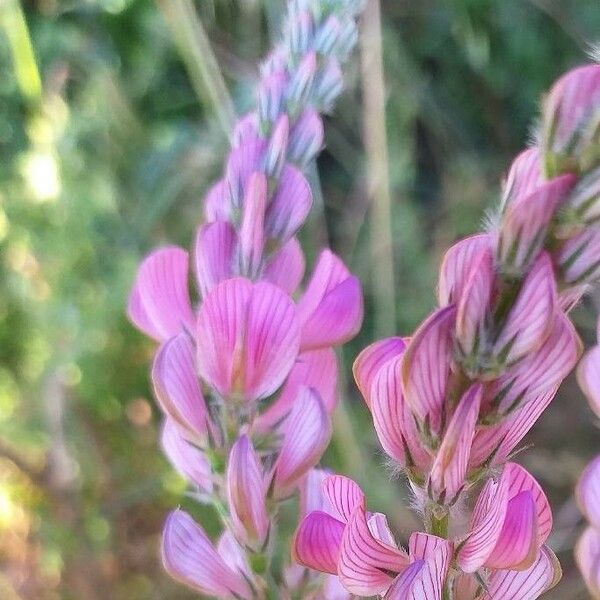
pixel 285 268
pixel 588 492
pixel 289 205
pixel 524 176
pixel 247 338
pixel 366 563
pixel 177 388
pixel 246 494
pixel 380 528
pixel 344 495
pixel 242 162
pixel 457 265
pixel 474 304
pixel 531 319
pixel 426 366
pixel 159 303
pixel 189 461
pixel 252 228
pixel 578 257
pixel 190 558
pixel 588 377
pixel 587 556
pixel 525 223
pixel 466 587
pixel 214 254
pixel 530 584
pixel 585 198
pixel 371 359
pixel 317 542
pixel 307 431
pixel 422 545
pixel 316 369
pixel 449 469
pixel 217 203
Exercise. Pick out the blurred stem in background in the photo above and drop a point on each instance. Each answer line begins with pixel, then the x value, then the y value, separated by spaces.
pixel 201 64
pixel 378 187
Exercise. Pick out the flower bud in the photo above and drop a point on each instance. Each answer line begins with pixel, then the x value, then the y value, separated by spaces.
pixel 301 27
pixel 587 556
pixel 277 149
pixel 271 100
pixel 327 36
pixel 571 122
pixel 582 207
pixel 579 258
pixel 306 138
pixel 301 86
pixel 252 234
pixel 328 85
pixel 523 178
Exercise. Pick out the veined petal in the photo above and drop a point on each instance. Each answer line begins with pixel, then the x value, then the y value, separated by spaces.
pixel 531 319
pixel 371 359
pixel 246 494
pixel 426 366
pixel 379 527
pixel 159 303
pixel 189 557
pixel 316 369
pixel 578 258
pixel 214 254
pixel 365 563
pixel 252 229
pixel 344 495
pixel 587 556
pixel 285 268
pixel 248 338
pixel 307 431
pixel 588 493
pixel 289 205
pixel 447 476
pixel 588 377
pixel 177 388
pixel 524 176
pixel 317 542
pixel 530 584
pixel 189 461
pixel 457 265
pixel 311 493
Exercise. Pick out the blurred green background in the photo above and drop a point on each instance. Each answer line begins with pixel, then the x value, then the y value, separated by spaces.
pixel 108 140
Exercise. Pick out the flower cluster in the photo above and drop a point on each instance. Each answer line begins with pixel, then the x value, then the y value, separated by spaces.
pixel 451 403
pixel 587 551
pixel 246 376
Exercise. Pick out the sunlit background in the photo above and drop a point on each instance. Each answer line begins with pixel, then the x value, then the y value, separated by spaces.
pixel 109 136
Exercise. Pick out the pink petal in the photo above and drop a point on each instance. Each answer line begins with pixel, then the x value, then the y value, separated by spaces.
pixel 233 554
pixel 248 338
pixel 242 162
pixel 457 265
pixel 393 420
pixel 245 128
pixel 317 542
pixel 524 176
pixel 289 205
pixel 371 359
pixel 587 556
pixel 588 492
pixel 426 366
pixel 402 587
pixel 543 575
pixel 379 527
pixel 252 229
pixel 159 304
pixel 525 223
pixel 316 369
pixel 306 137
pixel 447 476
pixel 307 431
pixel 177 387
pixel 285 268
pixel 217 203
pixel 578 258
pixel 311 493
pixel 246 494
pixel 187 460
pixel 189 557
pixel 531 319
pixel 365 563
pixel 214 255
pixel 588 377
pixel 517 545
pixel 344 495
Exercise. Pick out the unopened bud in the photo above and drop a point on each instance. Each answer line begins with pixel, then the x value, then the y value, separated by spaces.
pixel 277 148
pixel 306 138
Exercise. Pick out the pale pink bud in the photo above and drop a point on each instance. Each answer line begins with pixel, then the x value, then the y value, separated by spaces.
pixel 311 493
pixel 579 258
pixel 531 318
pixel 233 554
pixel 327 36
pixel 217 203
pixel 449 469
pixel 524 177
pixel 588 492
pixel 285 268
pixel 426 367
pixel 328 85
pixel 246 495
pixel 570 121
pixel 214 254
pixel 582 207
pixel 252 233
pixel 276 61
pixel 271 100
pixel 588 377
pixel 242 162
pixel 190 557
pixel 331 309
pixel 301 85
pixel 587 556
pixel 306 433
pixel 159 303
pixel 300 33
pixel 277 149
pixel 247 338
pixel 190 462
pixel 245 128
pixel 525 223
pixel 306 138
